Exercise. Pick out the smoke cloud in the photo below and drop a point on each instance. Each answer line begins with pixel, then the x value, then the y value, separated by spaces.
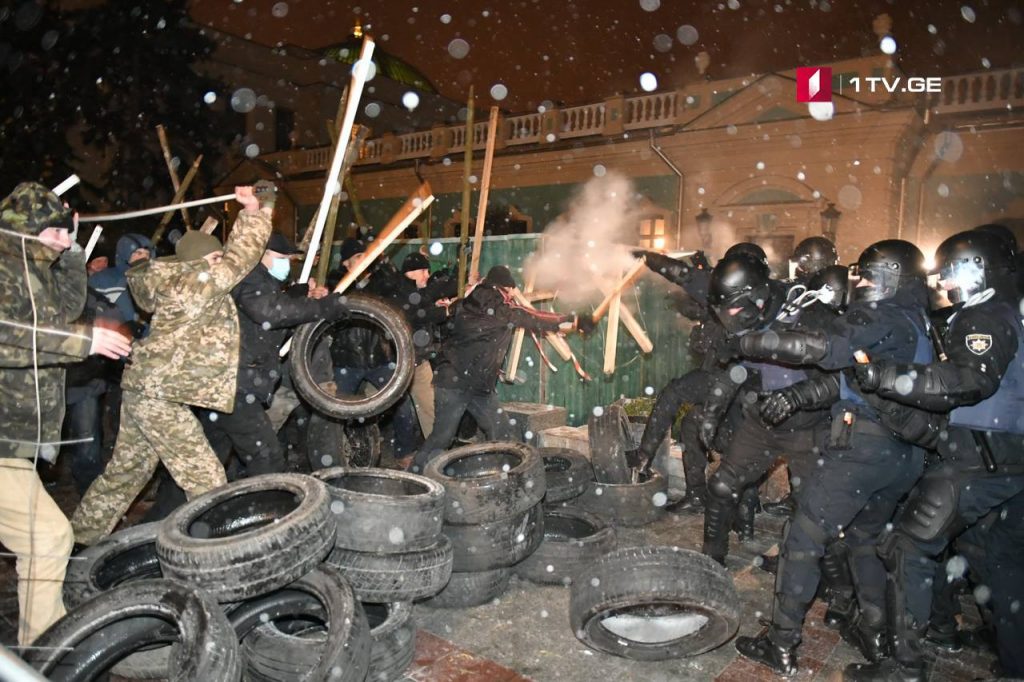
pixel 590 243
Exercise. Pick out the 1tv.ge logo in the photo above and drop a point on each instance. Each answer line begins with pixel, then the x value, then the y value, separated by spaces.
pixel 814 84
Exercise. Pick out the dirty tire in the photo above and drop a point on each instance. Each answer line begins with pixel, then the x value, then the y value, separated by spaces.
pixel 567 473
pixel 627 504
pixel 573 540
pixel 272 651
pixel 334 443
pixel 610 437
pixel 497 544
pixel 392 640
pixel 365 308
pixel 383 578
pixel 249 537
pixel 471 589
pixel 136 616
pixel 488 481
pixel 654 581
pixel 385 511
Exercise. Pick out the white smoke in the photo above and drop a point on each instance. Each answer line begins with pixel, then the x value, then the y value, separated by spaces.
pixel 589 243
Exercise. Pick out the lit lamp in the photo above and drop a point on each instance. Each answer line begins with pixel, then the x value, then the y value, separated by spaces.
pixel 829 222
pixel 704 228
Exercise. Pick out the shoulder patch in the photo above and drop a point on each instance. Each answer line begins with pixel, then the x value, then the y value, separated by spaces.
pixel 979 344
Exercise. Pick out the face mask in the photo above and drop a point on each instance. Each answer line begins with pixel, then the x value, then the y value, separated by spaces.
pixel 281 268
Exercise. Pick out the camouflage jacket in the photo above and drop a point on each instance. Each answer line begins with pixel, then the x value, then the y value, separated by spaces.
pixel 191 353
pixel 58 290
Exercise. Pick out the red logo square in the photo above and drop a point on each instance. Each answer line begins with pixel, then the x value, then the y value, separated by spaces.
pixel 813 84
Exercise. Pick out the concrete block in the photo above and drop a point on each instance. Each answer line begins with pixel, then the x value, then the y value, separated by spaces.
pixel 571 437
pixel 528 420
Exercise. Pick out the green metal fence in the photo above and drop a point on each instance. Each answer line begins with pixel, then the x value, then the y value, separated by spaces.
pixel 636 374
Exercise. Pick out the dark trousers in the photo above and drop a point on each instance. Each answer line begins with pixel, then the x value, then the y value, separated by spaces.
pixel 751 453
pixel 403 414
pixel 248 432
pixel 450 404
pixel 83 419
pixel 691 388
pixel 855 489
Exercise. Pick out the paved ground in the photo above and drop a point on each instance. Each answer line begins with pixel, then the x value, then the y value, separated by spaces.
pixel 525 634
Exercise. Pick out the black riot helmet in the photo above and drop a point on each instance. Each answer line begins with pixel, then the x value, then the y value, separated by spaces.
pixel 971 262
pixel 739 292
pixel 832 282
pixel 748 248
pixel 1001 231
pixel 813 255
pixel 884 268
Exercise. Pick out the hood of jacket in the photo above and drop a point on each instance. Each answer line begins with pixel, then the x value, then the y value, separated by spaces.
pixel 127 245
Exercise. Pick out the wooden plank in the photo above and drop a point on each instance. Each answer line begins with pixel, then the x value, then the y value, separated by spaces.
pixel 209 225
pixel 467 195
pixel 520 333
pixel 178 196
pixel 485 190
pixel 535 296
pixel 631 324
pixel 611 337
pixel 359 135
pixel 630 277
pixel 165 146
pixel 560 345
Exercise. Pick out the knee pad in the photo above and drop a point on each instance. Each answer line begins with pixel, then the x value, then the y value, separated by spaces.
pixel 893 546
pixel 931 510
pixel 725 484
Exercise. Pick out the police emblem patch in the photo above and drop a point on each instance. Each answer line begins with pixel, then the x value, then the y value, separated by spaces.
pixel 978 343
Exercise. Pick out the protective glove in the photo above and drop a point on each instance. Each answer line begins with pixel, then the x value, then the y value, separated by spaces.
pixel 869 376
pixel 585 324
pixel 639 253
pixel 779 406
pixel 266 192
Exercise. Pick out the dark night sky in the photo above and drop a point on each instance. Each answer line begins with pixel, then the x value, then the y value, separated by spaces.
pixel 582 51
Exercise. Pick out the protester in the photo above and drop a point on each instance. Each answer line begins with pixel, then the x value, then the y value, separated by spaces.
pixel 190 358
pixel 42 288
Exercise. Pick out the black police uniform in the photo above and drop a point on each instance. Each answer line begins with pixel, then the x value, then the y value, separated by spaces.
pixel 984 384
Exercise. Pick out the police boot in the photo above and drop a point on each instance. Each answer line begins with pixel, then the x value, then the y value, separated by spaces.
pixel 945 637
pixel 761 649
pixel 718 517
pixel 838 584
pixel 872 641
pixel 744 523
pixel 692 503
pixel 784 508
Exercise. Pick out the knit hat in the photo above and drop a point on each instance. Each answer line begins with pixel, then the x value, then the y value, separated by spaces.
pixel 415 261
pixel 350 247
pixel 195 245
pixel 31 208
pixel 500 276
pixel 279 243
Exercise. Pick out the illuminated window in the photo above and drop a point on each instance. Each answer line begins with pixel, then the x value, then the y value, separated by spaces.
pixel 651 233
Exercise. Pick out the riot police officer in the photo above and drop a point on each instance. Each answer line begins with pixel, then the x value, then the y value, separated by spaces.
pixel 813 255
pixel 982 387
pixel 864 469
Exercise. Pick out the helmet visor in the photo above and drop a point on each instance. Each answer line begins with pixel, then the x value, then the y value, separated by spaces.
pixel 738 315
pixel 962 279
pixel 872 283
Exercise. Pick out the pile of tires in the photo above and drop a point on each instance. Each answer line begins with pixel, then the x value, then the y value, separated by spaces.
pixel 493 517
pixel 243 583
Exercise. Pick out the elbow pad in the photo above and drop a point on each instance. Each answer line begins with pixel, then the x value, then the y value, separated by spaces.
pixel 941 386
pixel 816 393
pixel 791 347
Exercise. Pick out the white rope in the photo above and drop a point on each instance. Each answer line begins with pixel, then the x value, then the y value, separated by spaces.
pixel 156 210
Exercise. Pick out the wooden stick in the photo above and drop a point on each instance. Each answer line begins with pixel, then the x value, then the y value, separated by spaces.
pixel 467 195
pixel 161 133
pixel 178 196
pixel 520 333
pixel 631 325
pixel 611 338
pixel 209 225
pixel 93 239
pixel 359 72
pixel 411 209
pixel 630 277
pixel 560 345
pixel 359 135
pixel 485 190
pixel 535 296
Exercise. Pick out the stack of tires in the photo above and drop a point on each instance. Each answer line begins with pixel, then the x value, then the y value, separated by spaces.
pixel 493 517
pixel 236 581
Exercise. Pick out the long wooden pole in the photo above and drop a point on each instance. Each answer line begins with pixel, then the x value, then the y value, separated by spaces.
pixel 178 196
pixel 611 337
pixel 467 194
pixel 560 345
pixel 631 325
pixel 520 333
pixel 360 70
pixel 630 277
pixel 485 190
pixel 411 209
pixel 165 146
pixel 359 136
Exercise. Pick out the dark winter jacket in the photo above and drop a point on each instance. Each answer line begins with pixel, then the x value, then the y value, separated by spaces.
pixel 112 283
pixel 479 334
pixel 422 312
pixel 361 345
pixel 266 315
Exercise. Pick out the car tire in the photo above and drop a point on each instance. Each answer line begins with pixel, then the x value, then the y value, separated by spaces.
pixel 383 578
pixel 627 504
pixel 573 539
pixel 249 537
pixel 466 590
pixel 392 640
pixel 614 602
pixel 486 546
pixel 567 473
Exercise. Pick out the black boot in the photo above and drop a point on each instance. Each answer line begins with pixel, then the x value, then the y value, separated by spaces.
pixel 945 638
pixel 841 607
pixel 838 583
pixel 889 670
pixel 783 508
pixel 871 642
pixel 718 517
pixel 692 504
pixel 744 523
pixel 762 650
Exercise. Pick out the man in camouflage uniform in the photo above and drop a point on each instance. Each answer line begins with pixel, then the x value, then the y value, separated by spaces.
pixel 189 358
pixel 42 288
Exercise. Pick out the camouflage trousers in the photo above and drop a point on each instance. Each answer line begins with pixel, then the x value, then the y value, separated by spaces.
pixel 152 431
